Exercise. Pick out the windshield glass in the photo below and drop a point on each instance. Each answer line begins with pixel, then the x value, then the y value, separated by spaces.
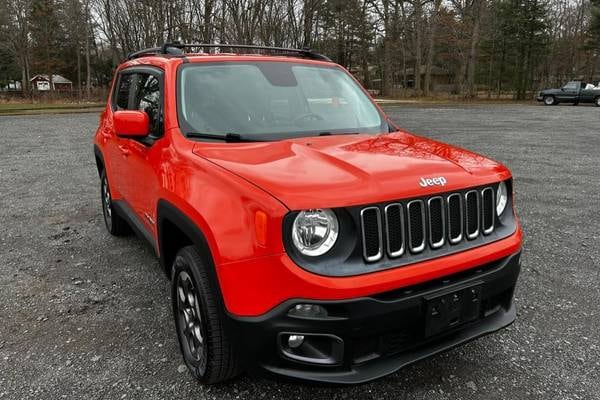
pixel 273 100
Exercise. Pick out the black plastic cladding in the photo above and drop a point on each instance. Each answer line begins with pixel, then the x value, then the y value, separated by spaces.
pixel 346 256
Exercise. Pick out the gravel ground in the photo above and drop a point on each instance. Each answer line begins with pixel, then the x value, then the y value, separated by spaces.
pixel 86 315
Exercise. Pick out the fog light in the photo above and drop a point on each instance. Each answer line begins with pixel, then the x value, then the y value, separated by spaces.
pixel 308 311
pixel 295 341
pixel 313 348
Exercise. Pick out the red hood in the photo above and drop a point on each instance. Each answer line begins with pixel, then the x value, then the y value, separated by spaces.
pixel 335 171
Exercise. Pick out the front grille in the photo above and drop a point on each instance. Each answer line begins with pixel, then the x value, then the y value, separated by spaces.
pixel 427 224
pixel 487 210
pixel 394 229
pixel 472 212
pixel 455 218
pixel 437 222
pixel 371 233
pixel 416 226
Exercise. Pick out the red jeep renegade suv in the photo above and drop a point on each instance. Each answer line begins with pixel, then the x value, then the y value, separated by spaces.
pixel 305 234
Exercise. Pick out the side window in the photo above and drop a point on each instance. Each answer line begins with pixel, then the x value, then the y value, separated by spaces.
pixel 571 85
pixel 122 92
pixel 147 98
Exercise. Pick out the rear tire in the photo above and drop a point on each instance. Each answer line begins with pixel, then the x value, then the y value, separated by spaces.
pixel 204 344
pixel 115 225
pixel 549 100
pixel 597 101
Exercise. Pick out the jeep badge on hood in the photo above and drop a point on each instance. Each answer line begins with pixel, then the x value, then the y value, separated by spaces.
pixel 438 181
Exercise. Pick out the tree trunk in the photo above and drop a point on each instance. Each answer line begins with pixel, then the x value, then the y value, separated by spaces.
pixel 477 9
pixel 418 49
pixel 27 74
pixel 387 51
pixel 112 34
pixel 208 30
pixel 431 45
pixel 78 72
pixel 24 80
pixel 308 13
pixel 88 69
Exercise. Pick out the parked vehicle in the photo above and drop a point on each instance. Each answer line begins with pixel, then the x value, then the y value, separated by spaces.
pixel 573 92
pixel 304 233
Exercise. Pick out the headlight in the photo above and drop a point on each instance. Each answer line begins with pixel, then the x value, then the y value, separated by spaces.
pixel 501 198
pixel 315 231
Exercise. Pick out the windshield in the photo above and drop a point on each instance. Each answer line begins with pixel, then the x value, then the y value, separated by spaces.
pixel 273 100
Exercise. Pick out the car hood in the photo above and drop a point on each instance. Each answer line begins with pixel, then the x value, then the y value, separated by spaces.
pixel 344 170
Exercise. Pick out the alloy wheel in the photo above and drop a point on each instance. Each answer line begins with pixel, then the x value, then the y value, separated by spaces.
pixel 189 319
pixel 106 203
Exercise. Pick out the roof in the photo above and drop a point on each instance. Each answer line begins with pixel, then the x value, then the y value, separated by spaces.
pixel 55 78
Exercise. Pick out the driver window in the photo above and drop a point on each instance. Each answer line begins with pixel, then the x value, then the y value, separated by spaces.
pixel 147 98
pixel 121 95
pixel 571 85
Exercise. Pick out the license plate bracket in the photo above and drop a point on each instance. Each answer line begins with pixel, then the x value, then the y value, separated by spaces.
pixel 451 309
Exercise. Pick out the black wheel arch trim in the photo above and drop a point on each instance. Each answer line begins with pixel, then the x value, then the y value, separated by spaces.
pixel 167 212
pixel 100 164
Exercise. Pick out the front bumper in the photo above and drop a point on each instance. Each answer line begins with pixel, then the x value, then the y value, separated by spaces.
pixel 380 333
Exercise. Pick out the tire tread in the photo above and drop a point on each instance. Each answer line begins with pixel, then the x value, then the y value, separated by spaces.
pixel 222 363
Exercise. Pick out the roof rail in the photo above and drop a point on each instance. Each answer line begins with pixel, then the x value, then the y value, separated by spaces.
pixel 177 48
pixel 155 51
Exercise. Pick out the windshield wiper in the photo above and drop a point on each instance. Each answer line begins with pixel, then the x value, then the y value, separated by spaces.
pixel 337 133
pixel 226 137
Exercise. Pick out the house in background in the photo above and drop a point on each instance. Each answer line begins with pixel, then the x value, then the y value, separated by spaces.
pixel 59 83
pixel 11 86
pixel 441 79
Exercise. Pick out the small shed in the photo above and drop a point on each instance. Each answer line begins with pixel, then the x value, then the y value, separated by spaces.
pixel 59 83
pixel 440 77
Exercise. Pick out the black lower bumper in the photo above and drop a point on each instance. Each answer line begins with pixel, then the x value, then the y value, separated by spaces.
pixel 374 336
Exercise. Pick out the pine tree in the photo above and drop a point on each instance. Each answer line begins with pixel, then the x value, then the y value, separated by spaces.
pixel 47 36
pixel 593 41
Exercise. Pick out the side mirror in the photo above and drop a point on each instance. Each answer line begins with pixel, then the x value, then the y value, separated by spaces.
pixel 131 123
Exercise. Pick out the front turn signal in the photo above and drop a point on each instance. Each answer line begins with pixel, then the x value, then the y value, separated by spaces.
pixel 260 226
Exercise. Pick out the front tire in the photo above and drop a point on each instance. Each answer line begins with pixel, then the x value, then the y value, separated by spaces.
pixel 549 100
pixel 115 225
pixel 204 344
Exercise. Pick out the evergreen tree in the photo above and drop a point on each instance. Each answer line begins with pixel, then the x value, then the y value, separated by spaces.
pixel 516 46
pixel 47 36
pixel 593 41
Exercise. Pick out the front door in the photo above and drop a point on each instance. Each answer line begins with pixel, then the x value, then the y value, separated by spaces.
pixel 141 189
pixel 115 151
pixel 569 92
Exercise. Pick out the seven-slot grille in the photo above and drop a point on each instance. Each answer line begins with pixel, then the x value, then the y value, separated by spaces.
pixel 435 222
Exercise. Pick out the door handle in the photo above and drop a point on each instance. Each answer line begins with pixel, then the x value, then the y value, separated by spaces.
pixel 124 150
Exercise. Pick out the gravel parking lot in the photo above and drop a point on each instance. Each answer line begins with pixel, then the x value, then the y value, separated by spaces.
pixel 86 315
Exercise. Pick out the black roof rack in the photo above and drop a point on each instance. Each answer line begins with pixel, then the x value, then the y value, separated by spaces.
pixel 177 49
